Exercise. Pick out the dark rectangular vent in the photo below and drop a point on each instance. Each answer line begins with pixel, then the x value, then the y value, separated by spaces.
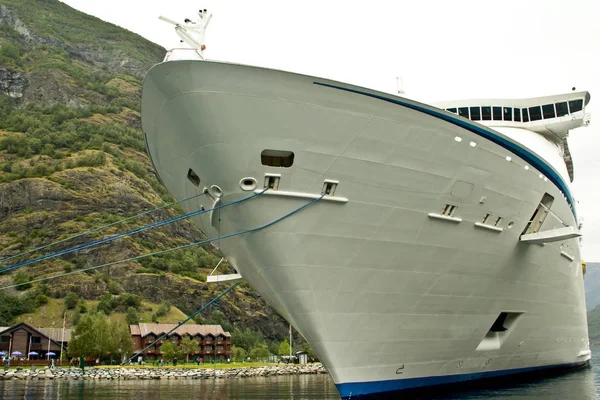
pixel 449 210
pixel 486 218
pixel 277 158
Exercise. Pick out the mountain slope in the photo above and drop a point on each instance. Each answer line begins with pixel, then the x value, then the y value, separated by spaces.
pixel 592 285
pixel 72 158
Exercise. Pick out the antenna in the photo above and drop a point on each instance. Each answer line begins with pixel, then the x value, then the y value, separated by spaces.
pixel 399 85
pixel 192 32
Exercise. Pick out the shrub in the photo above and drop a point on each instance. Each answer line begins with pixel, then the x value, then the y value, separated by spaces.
pixel 20 278
pixel 70 301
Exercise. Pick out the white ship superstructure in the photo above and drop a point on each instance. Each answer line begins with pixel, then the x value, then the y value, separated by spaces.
pixel 444 242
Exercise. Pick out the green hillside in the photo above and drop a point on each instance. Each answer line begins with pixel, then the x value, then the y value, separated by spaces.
pixel 594 325
pixel 72 158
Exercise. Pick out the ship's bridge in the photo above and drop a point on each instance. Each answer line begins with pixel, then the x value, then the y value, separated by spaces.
pixel 550 116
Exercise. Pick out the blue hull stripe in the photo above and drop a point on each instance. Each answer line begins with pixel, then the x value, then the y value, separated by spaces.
pixel 514 148
pixel 355 389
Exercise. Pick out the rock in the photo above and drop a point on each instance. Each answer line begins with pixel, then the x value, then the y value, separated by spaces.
pixel 13 83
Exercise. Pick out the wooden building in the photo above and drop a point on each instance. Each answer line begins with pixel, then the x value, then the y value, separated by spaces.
pixel 24 339
pixel 212 339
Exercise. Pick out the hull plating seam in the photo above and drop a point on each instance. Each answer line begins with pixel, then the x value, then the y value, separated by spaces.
pixel 530 158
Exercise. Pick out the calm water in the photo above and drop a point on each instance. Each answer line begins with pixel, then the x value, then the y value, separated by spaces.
pixel 579 385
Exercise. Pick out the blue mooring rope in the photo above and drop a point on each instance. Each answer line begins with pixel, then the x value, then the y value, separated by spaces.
pixel 174 248
pixel 101 227
pixel 127 233
pixel 198 311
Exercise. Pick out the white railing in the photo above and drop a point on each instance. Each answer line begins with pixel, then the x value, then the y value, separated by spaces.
pixel 182 54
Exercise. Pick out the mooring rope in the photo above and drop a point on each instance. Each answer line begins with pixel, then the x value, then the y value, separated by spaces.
pixel 198 311
pixel 101 227
pixel 171 249
pixel 124 234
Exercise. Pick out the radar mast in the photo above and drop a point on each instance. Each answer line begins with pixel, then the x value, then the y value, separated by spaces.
pixel 193 32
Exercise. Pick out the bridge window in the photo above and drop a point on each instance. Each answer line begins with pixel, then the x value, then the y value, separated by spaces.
pixel 452 110
pixel 507 114
pixel 548 110
pixel 463 112
pixel 525 115
pixel 562 109
pixel 475 113
pixel 486 113
pixel 535 113
pixel 497 113
pixel 575 105
pixel 518 114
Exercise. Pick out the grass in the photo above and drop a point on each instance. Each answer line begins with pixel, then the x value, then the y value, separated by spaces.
pixel 50 315
pixel 47 316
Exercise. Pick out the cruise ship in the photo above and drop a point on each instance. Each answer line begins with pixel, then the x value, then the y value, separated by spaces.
pixel 411 245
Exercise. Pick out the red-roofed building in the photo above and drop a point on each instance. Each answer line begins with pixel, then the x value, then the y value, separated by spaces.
pixel 212 339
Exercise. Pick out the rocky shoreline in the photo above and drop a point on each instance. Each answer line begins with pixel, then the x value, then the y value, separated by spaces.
pixel 158 373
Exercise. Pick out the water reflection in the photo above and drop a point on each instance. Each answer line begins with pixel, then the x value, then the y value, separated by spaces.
pixel 304 387
pixel 578 385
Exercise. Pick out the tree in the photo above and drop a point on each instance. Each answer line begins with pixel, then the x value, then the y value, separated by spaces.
pixel 122 338
pixel 106 304
pixel 163 308
pixel 11 306
pixel 75 317
pixel 129 300
pixel 307 348
pixel 188 346
pixel 132 316
pixel 238 354
pixel 245 338
pixel 21 278
pixel 70 301
pixel 260 352
pixel 215 318
pixel 168 350
pixel 273 347
pixel 96 336
pixel 284 348
pixel 84 337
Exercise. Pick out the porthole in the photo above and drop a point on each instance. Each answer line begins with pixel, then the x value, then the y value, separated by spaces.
pixel 472 144
pixel 216 191
pixel 508 158
pixel 248 184
pixel 458 139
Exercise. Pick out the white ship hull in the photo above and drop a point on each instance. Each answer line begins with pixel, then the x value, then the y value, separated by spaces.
pixel 390 293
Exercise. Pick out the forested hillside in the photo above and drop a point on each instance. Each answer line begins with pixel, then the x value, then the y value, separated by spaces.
pixel 72 158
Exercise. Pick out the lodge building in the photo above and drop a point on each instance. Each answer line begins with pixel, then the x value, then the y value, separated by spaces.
pixel 212 339
pixel 24 341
